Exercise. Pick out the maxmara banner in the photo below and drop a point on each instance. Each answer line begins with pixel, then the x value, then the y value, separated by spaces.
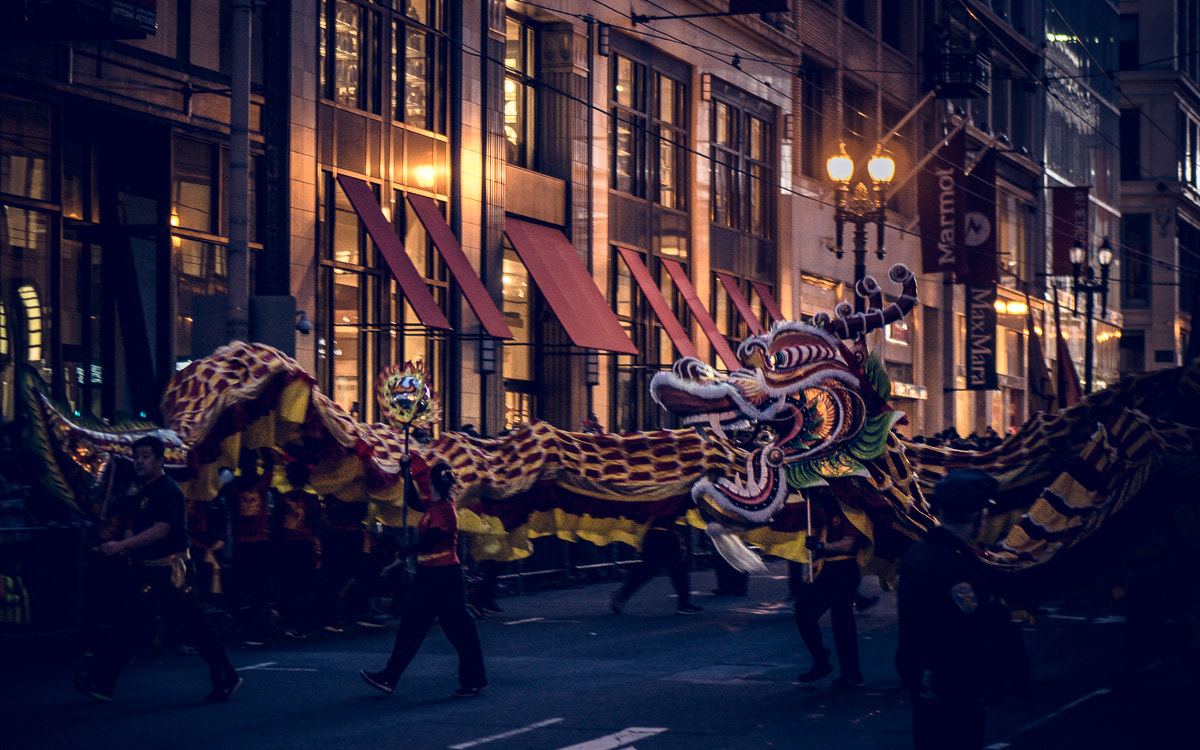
pixel 981 338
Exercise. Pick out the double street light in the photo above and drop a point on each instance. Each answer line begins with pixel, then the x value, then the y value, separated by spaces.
pixel 1085 282
pixel 860 206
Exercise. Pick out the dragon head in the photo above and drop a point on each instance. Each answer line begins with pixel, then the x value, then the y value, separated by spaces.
pixel 405 398
pixel 812 405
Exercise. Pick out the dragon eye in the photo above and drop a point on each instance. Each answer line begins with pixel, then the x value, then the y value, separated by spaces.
pixel 784 358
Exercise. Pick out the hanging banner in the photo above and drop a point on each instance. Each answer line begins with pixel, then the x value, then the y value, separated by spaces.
pixel 978 199
pixel 981 338
pixel 1041 385
pixel 739 7
pixel 1070 225
pixel 939 207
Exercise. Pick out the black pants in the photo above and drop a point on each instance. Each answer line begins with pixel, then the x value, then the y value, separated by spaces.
pixel 253 565
pixel 660 549
pixel 832 591
pixel 954 721
pixel 437 594
pixel 148 591
pixel 342 586
pixel 296 572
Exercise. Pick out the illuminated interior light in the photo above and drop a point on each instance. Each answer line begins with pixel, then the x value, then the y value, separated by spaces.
pixel 425 175
pixel 33 314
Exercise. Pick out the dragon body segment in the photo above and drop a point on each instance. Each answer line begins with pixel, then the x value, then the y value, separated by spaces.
pixel 805 418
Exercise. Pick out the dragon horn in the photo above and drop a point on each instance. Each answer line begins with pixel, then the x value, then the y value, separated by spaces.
pixel 850 326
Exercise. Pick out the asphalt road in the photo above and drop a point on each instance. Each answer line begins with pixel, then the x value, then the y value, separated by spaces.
pixel 567 674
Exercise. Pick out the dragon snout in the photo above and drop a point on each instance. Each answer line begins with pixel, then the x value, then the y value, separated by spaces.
pixel 752 500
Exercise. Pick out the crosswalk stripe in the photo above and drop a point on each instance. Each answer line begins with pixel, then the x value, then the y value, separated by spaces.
pixel 618 740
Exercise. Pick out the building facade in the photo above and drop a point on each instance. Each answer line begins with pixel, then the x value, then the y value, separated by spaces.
pixel 546 203
pixel 1160 182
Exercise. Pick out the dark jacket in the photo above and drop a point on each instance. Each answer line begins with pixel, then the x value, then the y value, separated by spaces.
pixel 953 626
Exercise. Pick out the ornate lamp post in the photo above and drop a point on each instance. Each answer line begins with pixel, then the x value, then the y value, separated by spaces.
pixel 860 206
pixel 1085 282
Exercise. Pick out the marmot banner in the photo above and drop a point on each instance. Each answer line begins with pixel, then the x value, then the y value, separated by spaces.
pixel 978 236
pixel 941 208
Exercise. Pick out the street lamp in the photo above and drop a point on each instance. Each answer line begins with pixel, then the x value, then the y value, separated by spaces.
pixel 860 206
pixel 1085 282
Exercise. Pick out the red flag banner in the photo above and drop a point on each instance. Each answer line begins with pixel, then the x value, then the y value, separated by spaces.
pixel 1041 386
pixel 939 206
pixel 1066 376
pixel 1070 225
pixel 980 265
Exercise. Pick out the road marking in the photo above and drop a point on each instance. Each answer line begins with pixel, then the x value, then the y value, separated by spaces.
pixel 527 619
pixel 505 735
pixel 269 666
pixel 1048 717
pixel 620 739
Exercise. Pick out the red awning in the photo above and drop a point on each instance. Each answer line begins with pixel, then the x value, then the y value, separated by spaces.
pixel 568 287
pixel 769 302
pixel 392 249
pixel 700 313
pixel 739 302
pixel 658 303
pixel 472 288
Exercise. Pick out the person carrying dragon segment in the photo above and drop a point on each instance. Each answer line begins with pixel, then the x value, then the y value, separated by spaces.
pixel 156 544
pixel 437 594
pixel 834 548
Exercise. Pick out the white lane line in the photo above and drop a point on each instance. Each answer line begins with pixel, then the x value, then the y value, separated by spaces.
pixel 620 739
pixel 527 619
pixel 505 735
pixel 269 666
pixel 1078 701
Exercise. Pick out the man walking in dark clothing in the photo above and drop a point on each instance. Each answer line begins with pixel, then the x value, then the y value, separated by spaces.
pixel 662 547
pixel 834 552
pixel 953 627
pixel 437 594
pixel 156 544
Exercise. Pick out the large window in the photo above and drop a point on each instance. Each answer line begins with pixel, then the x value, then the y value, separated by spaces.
pixel 24 149
pixel 1012 240
pixel 656 351
pixel 25 295
pixel 520 93
pixel 649 128
pixel 812 119
pixel 1189 142
pixel 419 66
pixel 371 55
pixel 1135 261
pixel 725 314
pixel 743 163
pixel 200 229
pixel 364 321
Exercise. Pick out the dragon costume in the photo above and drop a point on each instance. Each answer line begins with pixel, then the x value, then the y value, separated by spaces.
pixel 806 416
